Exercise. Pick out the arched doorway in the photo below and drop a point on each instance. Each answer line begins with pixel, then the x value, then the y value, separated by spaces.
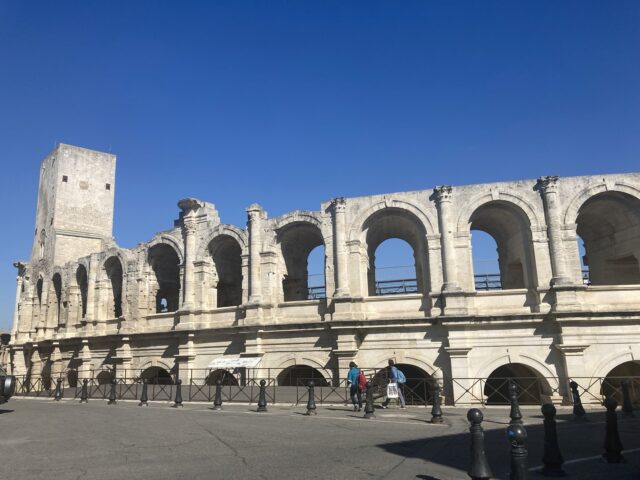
pixel 83 284
pixel 104 377
pixel 166 266
pixel 299 375
pixel 225 377
pixel 418 389
pixel 157 376
pixel 612 384
pixel 533 389
pixel 226 254
pixel 113 270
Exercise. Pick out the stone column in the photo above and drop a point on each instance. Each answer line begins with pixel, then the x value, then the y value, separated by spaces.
pixel 19 367
pixel 84 371
pixel 16 309
pixel 574 363
pixel 462 387
pixel 442 196
pixel 340 227
pixel 91 289
pixel 548 187
pixel 56 361
pixel 189 229
pixel 255 245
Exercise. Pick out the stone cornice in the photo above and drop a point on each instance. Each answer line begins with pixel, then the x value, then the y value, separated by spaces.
pixel 571 349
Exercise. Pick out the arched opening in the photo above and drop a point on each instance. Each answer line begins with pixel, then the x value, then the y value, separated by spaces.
pixel 157 376
pixel 56 281
pixel 584 268
pixel 39 291
pixel 510 229
pixel 113 270
pixel 300 375
pixel 315 268
pixel 396 228
pixel 394 270
pixel 227 270
pixel 83 285
pixel 486 266
pixel 609 225
pixel 166 266
pixel 612 384
pixel 104 377
pixel 532 387
pixel 225 377
pixel 72 378
pixel 418 389
pixel 297 241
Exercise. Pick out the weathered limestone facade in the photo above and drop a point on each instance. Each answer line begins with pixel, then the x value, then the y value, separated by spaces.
pixel 204 290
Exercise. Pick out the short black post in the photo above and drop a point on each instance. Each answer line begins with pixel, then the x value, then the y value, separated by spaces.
pixel 368 405
pixel 479 468
pixel 84 393
pixel 58 392
pixel 552 457
pixel 112 393
pixel 311 403
pixel 178 400
pixel 514 414
pixel 217 399
pixel 436 411
pixel 627 406
pixel 262 398
pixel 144 397
pixel 578 409
pixel 517 436
pixel 612 444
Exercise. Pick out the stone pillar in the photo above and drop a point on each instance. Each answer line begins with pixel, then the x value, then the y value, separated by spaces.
pixel 18 365
pixel 548 187
pixel 91 289
pixel 574 363
pixel 462 388
pixel 35 363
pixel 125 357
pixel 442 196
pixel 189 229
pixel 56 361
pixel 184 360
pixel 340 232
pixel 16 310
pixel 85 369
pixel 255 246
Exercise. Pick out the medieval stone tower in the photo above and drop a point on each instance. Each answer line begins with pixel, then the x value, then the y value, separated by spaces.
pixel 75 204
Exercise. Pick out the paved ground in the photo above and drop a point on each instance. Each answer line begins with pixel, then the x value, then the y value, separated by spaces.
pixel 40 438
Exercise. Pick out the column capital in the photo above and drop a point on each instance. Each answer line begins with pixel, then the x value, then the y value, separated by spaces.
pixel 339 204
pixel 547 184
pixel 188 205
pixel 442 193
pixel 189 226
pixel 254 209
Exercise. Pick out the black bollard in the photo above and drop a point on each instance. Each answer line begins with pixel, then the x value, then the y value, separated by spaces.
pixel 552 458
pixel 368 405
pixel 578 409
pixel 436 411
pixel 479 469
pixel 627 406
pixel 84 393
pixel 58 393
pixel 612 444
pixel 262 398
pixel 311 403
pixel 178 401
pixel 112 393
pixel 144 398
pixel 514 414
pixel 217 400
pixel 517 435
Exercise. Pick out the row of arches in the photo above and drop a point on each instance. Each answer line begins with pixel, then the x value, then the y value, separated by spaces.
pixel 396 258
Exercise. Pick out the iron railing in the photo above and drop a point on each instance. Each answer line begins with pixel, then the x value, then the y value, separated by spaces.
pixel 487 281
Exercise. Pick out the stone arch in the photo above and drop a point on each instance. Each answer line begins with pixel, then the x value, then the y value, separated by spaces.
pixel 420 212
pixel 571 212
pixel 165 262
pixel 527 360
pixel 381 361
pixel 519 201
pixel 113 269
pixel 81 278
pixel 104 377
pixel 232 231
pixel 169 240
pixel 300 374
pixel 55 300
pixel 296 235
pixel 510 227
pixel 608 222
pixel 226 378
pixel 156 375
pixel 297 216
pixel 155 363
pixel 395 220
pixel 609 362
pixel 226 270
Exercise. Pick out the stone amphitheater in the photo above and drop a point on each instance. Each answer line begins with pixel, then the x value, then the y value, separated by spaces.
pixel 206 300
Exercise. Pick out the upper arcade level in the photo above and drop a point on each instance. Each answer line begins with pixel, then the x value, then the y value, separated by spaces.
pixel 205 274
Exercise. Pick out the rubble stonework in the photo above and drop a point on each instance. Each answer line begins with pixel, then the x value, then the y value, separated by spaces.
pixel 205 290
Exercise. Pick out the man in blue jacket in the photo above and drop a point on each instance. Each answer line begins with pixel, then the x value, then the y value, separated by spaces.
pixel 395 376
pixel 354 387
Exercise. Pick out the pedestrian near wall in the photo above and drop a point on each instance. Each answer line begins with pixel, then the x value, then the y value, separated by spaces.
pixel 353 383
pixel 395 377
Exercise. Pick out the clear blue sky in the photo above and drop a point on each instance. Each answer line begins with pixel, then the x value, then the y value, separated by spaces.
pixel 291 103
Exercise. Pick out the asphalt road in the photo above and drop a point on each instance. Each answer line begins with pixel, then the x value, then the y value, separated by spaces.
pixel 40 439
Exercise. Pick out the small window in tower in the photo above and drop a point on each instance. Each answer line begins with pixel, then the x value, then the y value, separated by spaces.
pixel 108 186
pixel 65 178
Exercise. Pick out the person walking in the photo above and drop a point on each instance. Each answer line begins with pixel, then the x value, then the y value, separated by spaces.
pixel 353 383
pixel 397 377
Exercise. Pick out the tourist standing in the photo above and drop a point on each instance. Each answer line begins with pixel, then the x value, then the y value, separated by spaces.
pixel 354 386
